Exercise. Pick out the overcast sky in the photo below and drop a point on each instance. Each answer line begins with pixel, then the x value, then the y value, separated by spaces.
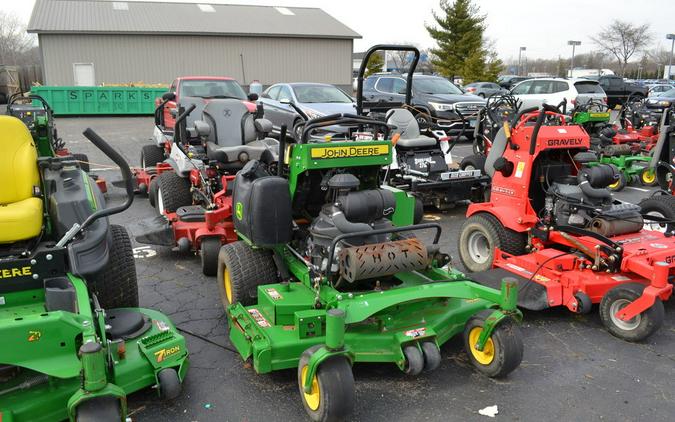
pixel 544 27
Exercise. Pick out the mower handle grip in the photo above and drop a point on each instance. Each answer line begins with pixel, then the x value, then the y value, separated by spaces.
pixel 115 156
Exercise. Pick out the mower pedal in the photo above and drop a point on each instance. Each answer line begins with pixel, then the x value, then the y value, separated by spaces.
pixel 191 213
pixel 531 295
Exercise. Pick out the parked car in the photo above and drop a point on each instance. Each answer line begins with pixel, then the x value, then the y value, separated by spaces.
pixel 659 102
pixel 205 87
pixel 484 89
pixel 435 97
pixel 509 81
pixel 314 99
pixel 553 91
pixel 618 90
pixel 656 89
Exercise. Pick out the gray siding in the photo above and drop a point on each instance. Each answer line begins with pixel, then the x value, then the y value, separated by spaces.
pixel 160 58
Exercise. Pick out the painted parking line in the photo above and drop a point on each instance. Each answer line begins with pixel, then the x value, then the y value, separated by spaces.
pixel 640 189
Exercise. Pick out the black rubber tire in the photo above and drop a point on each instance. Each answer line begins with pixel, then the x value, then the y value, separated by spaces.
pixel 175 191
pixel 116 286
pixel 414 360
pixel 208 252
pixel 249 268
pixel 151 155
pixel 423 120
pixel 99 409
pixel 298 126
pixel 649 321
pixel 497 236
pixel 644 175
pixel 336 386
pixel 481 95
pixel 432 355
pixel 508 346
pixel 83 160
pixel 152 192
pixel 662 204
pixel 419 211
pixel 170 386
pixel 477 161
pixel 620 184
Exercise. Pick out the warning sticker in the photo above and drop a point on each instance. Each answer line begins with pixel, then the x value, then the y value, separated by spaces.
pixel 517 268
pixel 259 318
pixel 541 278
pixel 561 130
pixel 519 169
pixel 417 332
pixel 274 294
pixel 620 278
pixel 658 245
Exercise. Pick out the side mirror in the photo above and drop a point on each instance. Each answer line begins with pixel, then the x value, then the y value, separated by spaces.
pixel 284 101
pixel 169 96
pixel 253 96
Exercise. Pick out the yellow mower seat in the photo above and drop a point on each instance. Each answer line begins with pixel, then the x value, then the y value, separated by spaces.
pixel 20 210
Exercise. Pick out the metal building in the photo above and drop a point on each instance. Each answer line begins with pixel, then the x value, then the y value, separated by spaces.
pixel 110 42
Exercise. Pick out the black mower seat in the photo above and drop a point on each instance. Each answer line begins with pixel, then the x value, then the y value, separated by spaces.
pixel 126 323
pixel 496 151
pixel 407 127
pixel 20 207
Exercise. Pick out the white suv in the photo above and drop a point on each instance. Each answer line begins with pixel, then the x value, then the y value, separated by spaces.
pixel 535 92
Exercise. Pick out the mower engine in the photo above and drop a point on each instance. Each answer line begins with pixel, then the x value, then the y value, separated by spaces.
pixel 361 257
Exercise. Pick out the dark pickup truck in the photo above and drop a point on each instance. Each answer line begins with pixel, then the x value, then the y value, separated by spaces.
pixel 618 90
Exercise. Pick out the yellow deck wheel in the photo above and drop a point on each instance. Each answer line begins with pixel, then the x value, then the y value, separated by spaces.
pixel 487 355
pixel 313 398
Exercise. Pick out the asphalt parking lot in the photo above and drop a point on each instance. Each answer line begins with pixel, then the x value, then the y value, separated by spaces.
pixel 573 370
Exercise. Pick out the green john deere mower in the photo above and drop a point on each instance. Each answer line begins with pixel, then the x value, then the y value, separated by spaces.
pixel 74 342
pixel 329 271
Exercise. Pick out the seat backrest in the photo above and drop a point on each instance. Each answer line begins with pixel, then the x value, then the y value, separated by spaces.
pixel 496 150
pixel 405 123
pixel 227 118
pixel 18 161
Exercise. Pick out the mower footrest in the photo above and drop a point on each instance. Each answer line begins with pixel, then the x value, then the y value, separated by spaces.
pixel 191 213
pixel 531 295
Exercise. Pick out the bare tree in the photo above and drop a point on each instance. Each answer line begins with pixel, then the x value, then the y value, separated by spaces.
pixel 622 40
pixel 15 44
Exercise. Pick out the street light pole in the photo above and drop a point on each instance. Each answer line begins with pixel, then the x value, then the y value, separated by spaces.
pixel 670 60
pixel 573 44
pixel 520 52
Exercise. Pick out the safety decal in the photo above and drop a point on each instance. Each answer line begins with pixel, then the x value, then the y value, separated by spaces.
pixel 259 318
pixel 417 332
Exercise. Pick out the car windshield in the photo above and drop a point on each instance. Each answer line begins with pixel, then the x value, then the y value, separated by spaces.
pixel 320 94
pixel 210 88
pixel 670 93
pixel 588 87
pixel 435 86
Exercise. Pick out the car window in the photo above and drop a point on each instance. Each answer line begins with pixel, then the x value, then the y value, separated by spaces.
pixel 320 94
pixel 588 87
pixel 273 92
pixel 541 87
pixel 615 83
pixel 522 88
pixel 399 86
pixel 493 86
pixel 285 93
pixel 559 86
pixel 172 88
pixel 385 85
pixel 211 88
pixel 435 85
pixel 369 84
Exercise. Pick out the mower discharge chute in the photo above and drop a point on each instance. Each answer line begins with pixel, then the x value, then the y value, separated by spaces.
pixel 193 198
pixel 75 343
pixel 552 223
pixel 329 272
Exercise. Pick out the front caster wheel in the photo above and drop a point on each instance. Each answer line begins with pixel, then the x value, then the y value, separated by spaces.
pixel 169 384
pixel 208 252
pixel 331 397
pixel 414 360
pixel 637 328
pixel 503 350
pixel 432 355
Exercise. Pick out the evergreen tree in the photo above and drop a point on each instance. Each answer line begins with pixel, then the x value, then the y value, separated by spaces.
pixel 461 49
pixel 375 63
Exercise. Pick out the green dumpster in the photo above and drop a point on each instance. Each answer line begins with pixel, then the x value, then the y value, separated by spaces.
pixel 102 100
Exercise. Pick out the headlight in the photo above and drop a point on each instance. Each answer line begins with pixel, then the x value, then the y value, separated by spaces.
pixel 313 114
pixel 664 103
pixel 442 107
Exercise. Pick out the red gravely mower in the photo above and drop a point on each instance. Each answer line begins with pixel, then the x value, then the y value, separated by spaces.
pixel 193 199
pixel 552 224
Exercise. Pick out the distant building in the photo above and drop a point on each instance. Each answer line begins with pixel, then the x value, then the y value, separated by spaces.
pixel 582 73
pixel 107 42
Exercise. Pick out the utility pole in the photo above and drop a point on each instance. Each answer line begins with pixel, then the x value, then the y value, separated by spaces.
pixel 520 52
pixel 670 60
pixel 574 44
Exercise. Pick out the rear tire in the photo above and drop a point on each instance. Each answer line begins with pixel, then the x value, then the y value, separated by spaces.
pixel 503 351
pixel 99 409
pixel 478 238
pixel 638 328
pixel 660 206
pixel 151 155
pixel 241 269
pixel 83 160
pixel 208 252
pixel 173 192
pixel 116 286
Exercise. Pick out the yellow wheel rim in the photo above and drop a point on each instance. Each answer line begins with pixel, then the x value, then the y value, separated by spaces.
pixel 487 355
pixel 228 284
pixel 313 398
pixel 648 176
pixel 614 185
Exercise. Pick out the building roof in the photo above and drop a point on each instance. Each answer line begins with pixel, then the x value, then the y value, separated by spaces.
pixel 143 17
